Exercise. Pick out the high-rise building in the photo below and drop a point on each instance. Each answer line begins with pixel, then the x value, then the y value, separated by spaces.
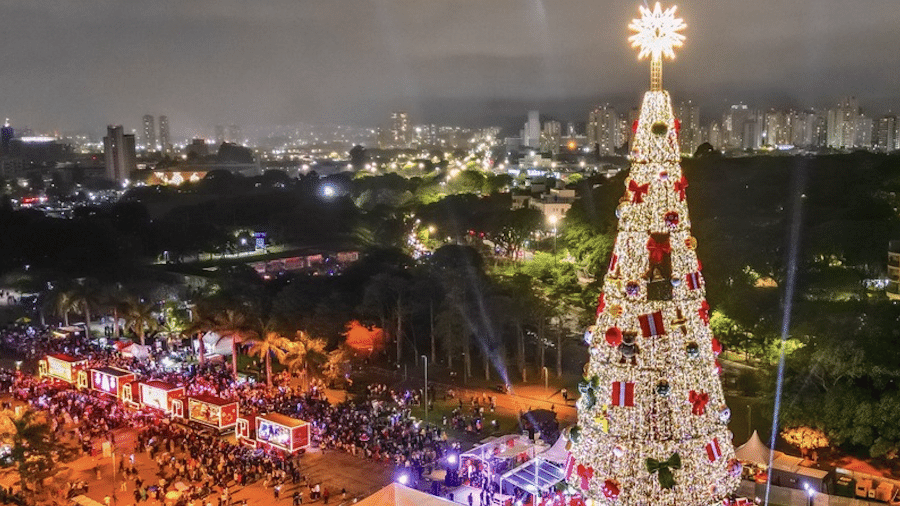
pixel 400 131
pixel 119 153
pixel 842 123
pixel 603 129
pixel 149 137
pixel 865 128
pixel 551 137
pixel 886 133
pixel 165 145
pixel 777 128
pixel 531 133
pixel 715 136
pixel 733 126
pixel 688 116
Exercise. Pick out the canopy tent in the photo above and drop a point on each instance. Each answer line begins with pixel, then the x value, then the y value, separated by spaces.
pixel 503 447
pixel 533 476
pixel 556 453
pixel 213 344
pixel 396 494
pixel 754 451
pixel 136 350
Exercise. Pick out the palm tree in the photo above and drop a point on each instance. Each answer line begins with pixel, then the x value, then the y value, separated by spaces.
pixel 85 295
pixel 113 297
pixel 139 317
pixel 60 303
pixel 226 318
pixel 272 343
pixel 305 349
pixel 31 445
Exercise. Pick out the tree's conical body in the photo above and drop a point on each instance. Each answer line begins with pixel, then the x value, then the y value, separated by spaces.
pixel 652 387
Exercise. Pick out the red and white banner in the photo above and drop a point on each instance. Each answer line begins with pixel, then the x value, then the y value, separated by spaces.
pixel 694 280
pixel 652 324
pixel 713 452
pixel 623 394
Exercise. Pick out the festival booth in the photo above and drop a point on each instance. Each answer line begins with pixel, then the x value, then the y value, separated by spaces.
pixel 537 476
pixel 245 432
pixel 281 432
pixel 212 411
pixel 754 455
pixel 158 394
pixel 494 457
pixel 61 367
pixel 111 380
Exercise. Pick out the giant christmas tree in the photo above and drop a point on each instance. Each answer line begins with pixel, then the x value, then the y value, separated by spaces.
pixel 652 421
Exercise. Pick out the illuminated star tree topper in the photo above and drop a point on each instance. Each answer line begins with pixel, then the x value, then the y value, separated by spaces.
pixel 657 36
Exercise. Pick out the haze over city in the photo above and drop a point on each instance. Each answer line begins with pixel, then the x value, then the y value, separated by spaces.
pixel 83 65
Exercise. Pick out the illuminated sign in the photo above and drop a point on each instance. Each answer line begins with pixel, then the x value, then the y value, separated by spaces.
pixel 273 434
pixel 154 397
pixel 60 369
pixel 203 412
pixel 105 382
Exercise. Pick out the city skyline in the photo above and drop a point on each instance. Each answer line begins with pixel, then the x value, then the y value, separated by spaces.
pixel 287 62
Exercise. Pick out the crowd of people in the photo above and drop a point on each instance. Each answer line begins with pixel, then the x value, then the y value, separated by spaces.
pixel 376 426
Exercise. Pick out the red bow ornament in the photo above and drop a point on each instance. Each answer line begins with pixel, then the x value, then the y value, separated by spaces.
pixel 658 250
pixel 680 185
pixel 638 191
pixel 610 489
pixel 585 473
pixel 703 312
pixel 601 304
pixel 698 402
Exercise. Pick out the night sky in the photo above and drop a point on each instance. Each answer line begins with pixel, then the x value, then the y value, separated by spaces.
pixel 80 64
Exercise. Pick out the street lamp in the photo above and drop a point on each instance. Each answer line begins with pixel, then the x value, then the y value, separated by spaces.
pixel 425 391
pixel 810 492
pixel 546 374
pixel 553 219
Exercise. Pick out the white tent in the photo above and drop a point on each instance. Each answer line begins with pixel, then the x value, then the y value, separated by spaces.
pixel 754 451
pixel 399 495
pixel 213 345
pixel 137 351
pixel 556 453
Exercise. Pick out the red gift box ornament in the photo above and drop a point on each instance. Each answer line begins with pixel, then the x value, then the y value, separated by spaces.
pixel 658 250
pixel 694 280
pixel 613 336
pixel 713 451
pixel 698 402
pixel 585 473
pixel 638 191
pixel 680 186
pixel 651 324
pixel 677 125
pixel 610 489
pixel 703 312
pixel 623 394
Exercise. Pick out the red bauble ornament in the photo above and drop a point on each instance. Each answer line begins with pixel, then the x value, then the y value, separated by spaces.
pixel 613 336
